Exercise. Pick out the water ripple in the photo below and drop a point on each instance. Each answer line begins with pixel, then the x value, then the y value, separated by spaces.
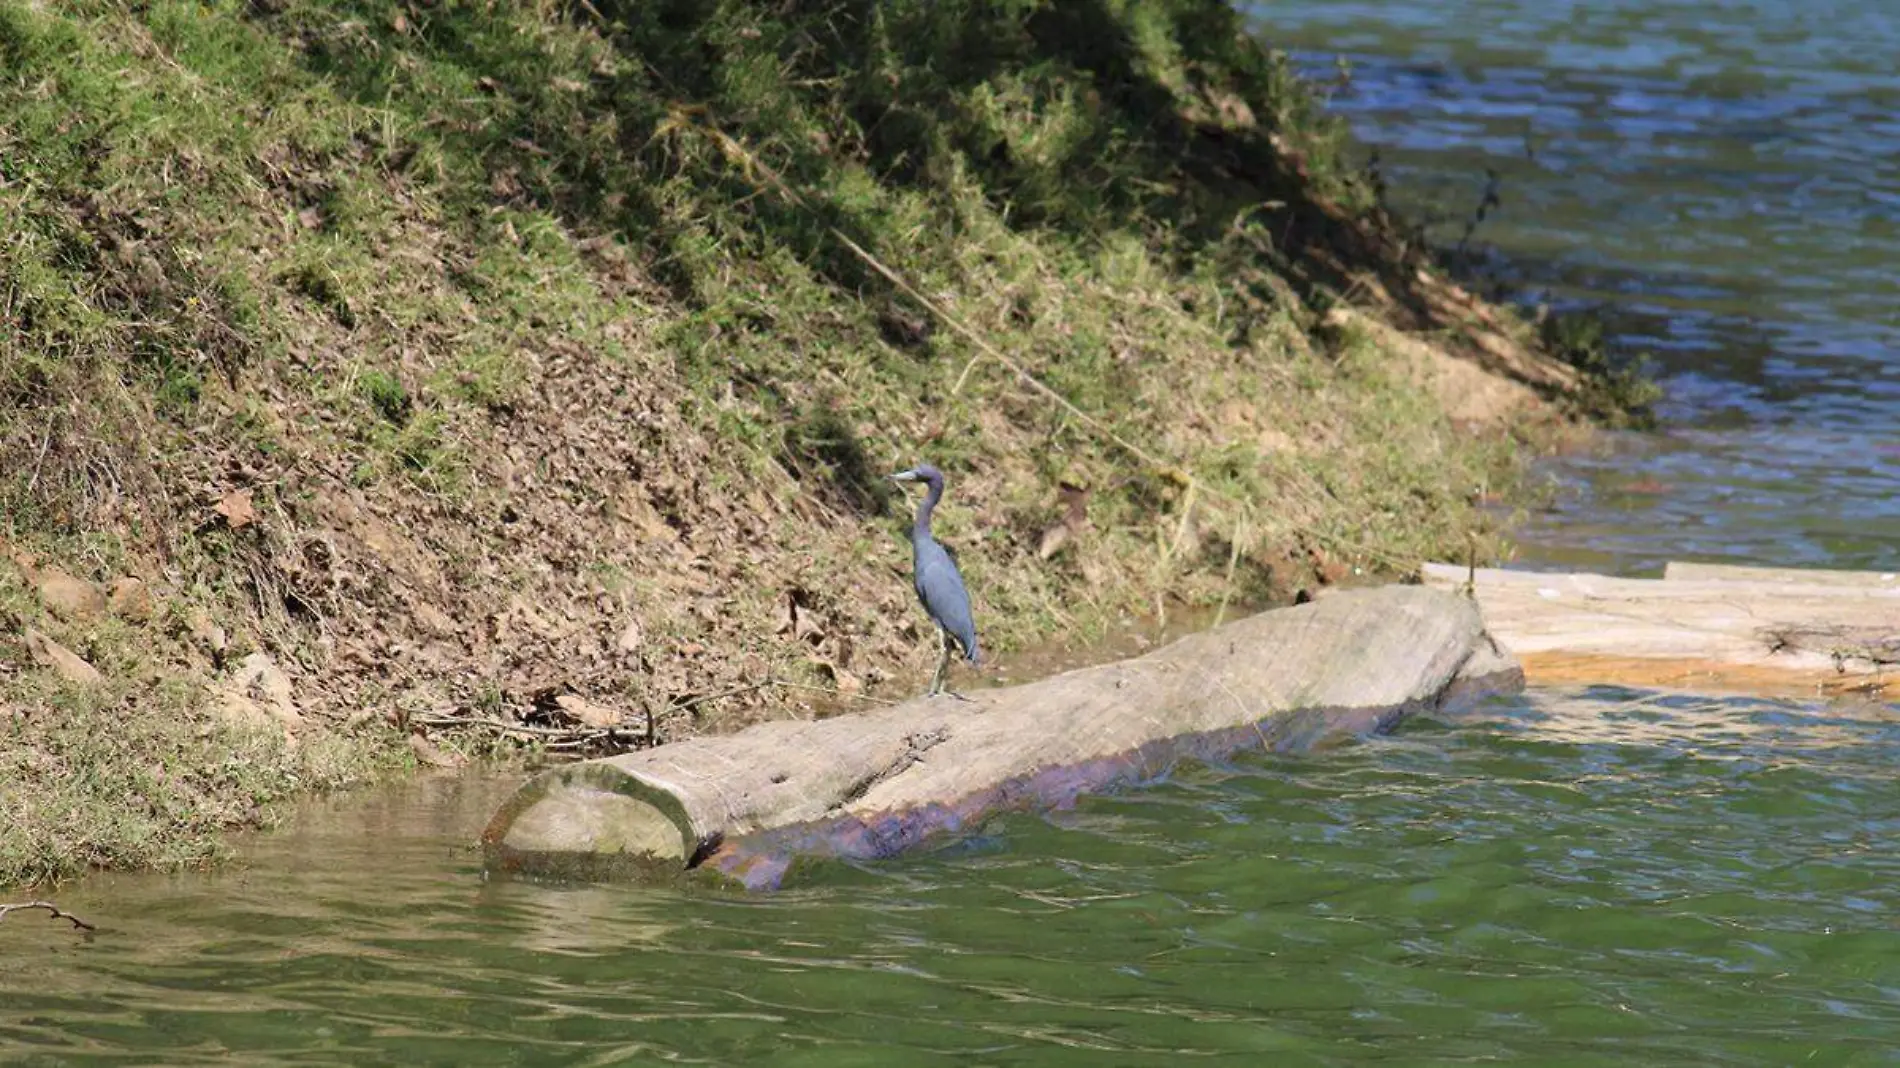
pixel 1729 188
pixel 1586 876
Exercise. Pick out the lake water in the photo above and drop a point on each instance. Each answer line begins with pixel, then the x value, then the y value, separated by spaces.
pixel 1724 177
pixel 1594 876
pixel 1586 877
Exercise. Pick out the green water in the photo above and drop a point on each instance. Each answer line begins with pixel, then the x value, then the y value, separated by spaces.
pixel 1591 877
pixel 1580 877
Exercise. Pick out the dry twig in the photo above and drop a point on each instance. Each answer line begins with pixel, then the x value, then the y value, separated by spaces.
pixel 40 459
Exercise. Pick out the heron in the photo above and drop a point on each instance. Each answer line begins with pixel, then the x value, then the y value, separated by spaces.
pixel 939 583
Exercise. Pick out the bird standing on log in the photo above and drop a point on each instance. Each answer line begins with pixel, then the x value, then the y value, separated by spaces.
pixel 939 583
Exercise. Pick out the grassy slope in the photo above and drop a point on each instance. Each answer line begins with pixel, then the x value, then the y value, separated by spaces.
pixel 538 336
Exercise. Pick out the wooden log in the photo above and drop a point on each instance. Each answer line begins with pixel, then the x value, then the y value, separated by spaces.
pixel 744 808
pixel 1759 631
pixel 1688 571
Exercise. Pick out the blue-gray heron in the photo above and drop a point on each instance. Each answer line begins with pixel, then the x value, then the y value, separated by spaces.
pixel 939 583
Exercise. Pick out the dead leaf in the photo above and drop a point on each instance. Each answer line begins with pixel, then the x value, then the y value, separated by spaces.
pixel 433 618
pixel 427 752
pixel 630 637
pixel 240 711
pixel 589 714
pixel 237 509
pixel 847 684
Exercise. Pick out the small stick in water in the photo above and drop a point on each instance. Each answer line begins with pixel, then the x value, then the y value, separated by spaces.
pixel 50 907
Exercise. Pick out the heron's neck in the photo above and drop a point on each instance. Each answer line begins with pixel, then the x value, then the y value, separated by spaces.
pixel 920 530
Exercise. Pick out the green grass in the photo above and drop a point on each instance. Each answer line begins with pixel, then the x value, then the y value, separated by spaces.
pixel 138 772
pixel 112 779
pixel 479 267
pixel 1621 388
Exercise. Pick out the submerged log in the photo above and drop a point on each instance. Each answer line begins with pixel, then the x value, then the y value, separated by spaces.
pixel 744 808
pixel 1708 627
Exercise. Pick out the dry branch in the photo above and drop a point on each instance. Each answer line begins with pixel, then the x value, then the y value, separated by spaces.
pixel 55 910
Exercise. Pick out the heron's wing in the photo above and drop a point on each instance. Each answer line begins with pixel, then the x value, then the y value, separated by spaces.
pixel 940 587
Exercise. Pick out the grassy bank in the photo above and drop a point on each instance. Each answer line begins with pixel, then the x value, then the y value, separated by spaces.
pixel 430 363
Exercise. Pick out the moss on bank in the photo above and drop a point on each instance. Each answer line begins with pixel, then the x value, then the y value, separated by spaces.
pixel 459 358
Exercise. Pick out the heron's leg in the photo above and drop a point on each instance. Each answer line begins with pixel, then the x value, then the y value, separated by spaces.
pixel 943 662
pixel 943 668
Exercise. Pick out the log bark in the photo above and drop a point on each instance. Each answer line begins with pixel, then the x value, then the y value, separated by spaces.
pixel 1688 571
pixel 747 808
pixel 1711 628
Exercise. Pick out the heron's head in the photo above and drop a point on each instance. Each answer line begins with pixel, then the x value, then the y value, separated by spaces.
pixel 920 473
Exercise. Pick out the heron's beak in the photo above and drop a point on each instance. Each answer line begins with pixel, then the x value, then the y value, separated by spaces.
pixel 904 476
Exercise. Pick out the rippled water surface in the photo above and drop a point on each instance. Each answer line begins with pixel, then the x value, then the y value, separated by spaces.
pixel 1725 178
pixel 1592 877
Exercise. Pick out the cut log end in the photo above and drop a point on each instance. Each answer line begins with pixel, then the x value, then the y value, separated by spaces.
pixel 591 821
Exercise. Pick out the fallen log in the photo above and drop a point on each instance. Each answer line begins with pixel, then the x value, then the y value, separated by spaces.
pixel 1707 627
pixel 1689 571
pixel 745 808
